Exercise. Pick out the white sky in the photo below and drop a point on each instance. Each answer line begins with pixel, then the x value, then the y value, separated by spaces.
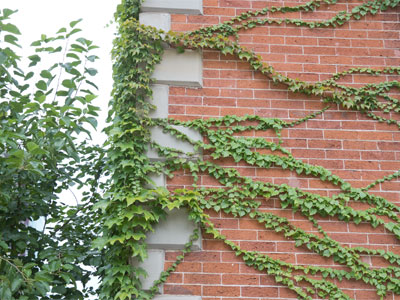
pixel 36 17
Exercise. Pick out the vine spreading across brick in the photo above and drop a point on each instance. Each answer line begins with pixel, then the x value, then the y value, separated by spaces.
pixel 251 140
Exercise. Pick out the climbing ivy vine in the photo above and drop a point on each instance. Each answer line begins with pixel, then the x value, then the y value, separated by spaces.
pixel 131 210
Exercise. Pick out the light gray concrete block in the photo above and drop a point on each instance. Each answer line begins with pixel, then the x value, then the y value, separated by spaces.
pixel 180 69
pixel 159 180
pixel 177 297
pixel 167 140
pixel 153 265
pixel 158 20
pixel 194 7
pixel 173 232
pixel 160 100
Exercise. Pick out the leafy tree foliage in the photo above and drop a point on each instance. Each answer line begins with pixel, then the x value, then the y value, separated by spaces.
pixel 44 149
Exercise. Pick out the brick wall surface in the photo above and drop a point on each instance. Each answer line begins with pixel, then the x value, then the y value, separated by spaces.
pixel 357 148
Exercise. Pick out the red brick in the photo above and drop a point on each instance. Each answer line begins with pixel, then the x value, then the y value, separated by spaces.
pixel 237 93
pixel 184 27
pixel 240 234
pixel 319 50
pixel 212 64
pixel 350 33
pixel 368 61
pixel 219 101
pixel 366 294
pixel 221 291
pixel 335 226
pixel 258 246
pixel 293 31
pixel 203 256
pixel 349 238
pixel 391 26
pixel 336 60
pixel 382 239
pixel 361 165
pixel 232 279
pixel 320 68
pixel 329 164
pixel 251 84
pixel 286 257
pixel 202 278
pixel 340 134
pixel 219 11
pixel 268 235
pixel 325 144
pixel 260 291
pixel 236 111
pixel 202 111
pixel 334 42
pixel 219 83
pixel 286 293
pixel 286 49
pixel 253 103
pixel 226 223
pixel 301 40
pixel 235 3
pixel 175 278
pixel 298 133
pixel 313 259
pixel 365 227
pixel 214 245
pixel 182 289
pixel 185 100
pixel 342 154
pixel 361 145
pixel 250 224
pixel 178 18
pixel 220 268
pixel 308 153
pixel 389 145
pixel 231 257
pixel 375 155
pixel 236 74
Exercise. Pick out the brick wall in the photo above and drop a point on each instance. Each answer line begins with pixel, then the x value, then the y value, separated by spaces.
pixel 351 145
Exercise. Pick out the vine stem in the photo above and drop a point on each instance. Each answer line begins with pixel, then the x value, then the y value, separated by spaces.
pixel 61 68
pixel 26 279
